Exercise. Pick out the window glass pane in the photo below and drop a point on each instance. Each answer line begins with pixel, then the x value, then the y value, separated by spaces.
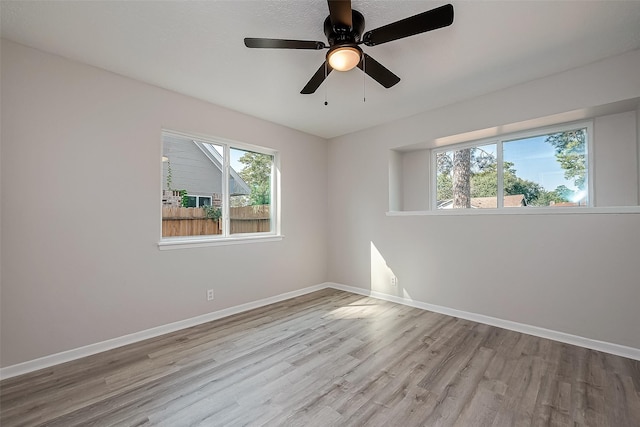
pixel 191 180
pixel 467 178
pixel 250 191
pixel 546 170
pixel 204 201
pixel 189 201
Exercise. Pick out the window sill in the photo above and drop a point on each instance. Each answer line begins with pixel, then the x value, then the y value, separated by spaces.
pixel 199 242
pixel 522 211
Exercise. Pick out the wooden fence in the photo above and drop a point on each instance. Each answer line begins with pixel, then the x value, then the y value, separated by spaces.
pixel 250 219
pixel 179 221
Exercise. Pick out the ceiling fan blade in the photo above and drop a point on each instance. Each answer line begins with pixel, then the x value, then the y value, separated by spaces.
pixel 430 20
pixel 378 72
pixel 283 44
pixel 340 12
pixel 317 79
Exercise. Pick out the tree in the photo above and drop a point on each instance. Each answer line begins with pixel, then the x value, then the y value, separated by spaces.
pixel 257 174
pixel 444 180
pixel 563 193
pixel 513 184
pixel 570 147
pixel 559 195
pixel 444 186
pixel 485 184
pixel 461 179
pixel 530 190
pixel 456 168
pixel 444 163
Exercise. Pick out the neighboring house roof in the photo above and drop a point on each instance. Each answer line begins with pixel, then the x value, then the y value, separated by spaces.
pixel 197 168
pixel 237 185
pixel 511 201
pixel 582 202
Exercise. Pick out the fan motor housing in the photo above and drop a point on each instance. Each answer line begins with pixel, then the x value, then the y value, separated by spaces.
pixel 340 35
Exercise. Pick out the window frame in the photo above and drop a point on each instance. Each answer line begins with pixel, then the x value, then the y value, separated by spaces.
pixel 198 197
pixel 499 141
pixel 227 238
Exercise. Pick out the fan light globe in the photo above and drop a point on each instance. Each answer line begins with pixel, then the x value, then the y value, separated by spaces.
pixel 344 58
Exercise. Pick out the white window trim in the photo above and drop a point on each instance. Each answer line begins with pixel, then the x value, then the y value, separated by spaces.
pixel 200 196
pixel 182 242
pixel 499 141
pixel 170 243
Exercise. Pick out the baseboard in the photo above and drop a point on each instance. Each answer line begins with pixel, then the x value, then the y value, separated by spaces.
pixel 618 350
pixel 77 353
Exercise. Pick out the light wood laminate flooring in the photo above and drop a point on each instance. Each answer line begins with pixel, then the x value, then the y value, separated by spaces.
pixel 332 358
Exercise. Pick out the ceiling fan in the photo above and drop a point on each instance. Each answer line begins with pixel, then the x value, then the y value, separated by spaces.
pixel 343 28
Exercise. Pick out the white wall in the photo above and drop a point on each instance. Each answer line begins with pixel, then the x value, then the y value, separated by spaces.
pixel 577 274
pixel 81 179
pixel 638 135
pixel 416 168
pixel 616 160
pixel 396 184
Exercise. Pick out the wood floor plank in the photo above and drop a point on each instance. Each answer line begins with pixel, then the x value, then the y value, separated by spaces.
pixel 332 358
pixel 554 395
pixel 482 409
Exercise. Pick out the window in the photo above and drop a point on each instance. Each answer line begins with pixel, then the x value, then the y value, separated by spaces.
pixel 197 201
pixel 216 188
pixel 545 168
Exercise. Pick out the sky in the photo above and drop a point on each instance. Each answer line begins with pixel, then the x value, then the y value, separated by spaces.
pixel 535 161
pixel 234 154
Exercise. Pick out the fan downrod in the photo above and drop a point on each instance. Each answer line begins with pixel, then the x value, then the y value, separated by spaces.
pixel 339 34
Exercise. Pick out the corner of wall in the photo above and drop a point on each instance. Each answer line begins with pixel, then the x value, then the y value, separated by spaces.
pixel 396 201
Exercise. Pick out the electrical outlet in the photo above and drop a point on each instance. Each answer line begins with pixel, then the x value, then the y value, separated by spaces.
pixel 210 295
pixel 394 281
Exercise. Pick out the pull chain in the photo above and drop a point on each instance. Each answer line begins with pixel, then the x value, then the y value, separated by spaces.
pixel 364 80
pixel 325 83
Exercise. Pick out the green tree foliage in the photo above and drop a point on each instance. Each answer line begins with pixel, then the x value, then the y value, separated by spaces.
pixel 560 194
pixel 563 193
pixel 445 186
pixel 257 174
pixel 516 185
pixel 470 162
pixel 570 147
pixel 169 175
pixel 212 212
pixel 184 198
pixel 484 183
pixel 479 160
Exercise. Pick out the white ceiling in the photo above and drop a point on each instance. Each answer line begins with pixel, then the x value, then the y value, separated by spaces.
pixel 196 48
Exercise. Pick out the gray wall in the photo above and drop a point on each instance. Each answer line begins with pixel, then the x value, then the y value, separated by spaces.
pixel 576 273
pixel 616 160
pixel 191 169
pixel 81 179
